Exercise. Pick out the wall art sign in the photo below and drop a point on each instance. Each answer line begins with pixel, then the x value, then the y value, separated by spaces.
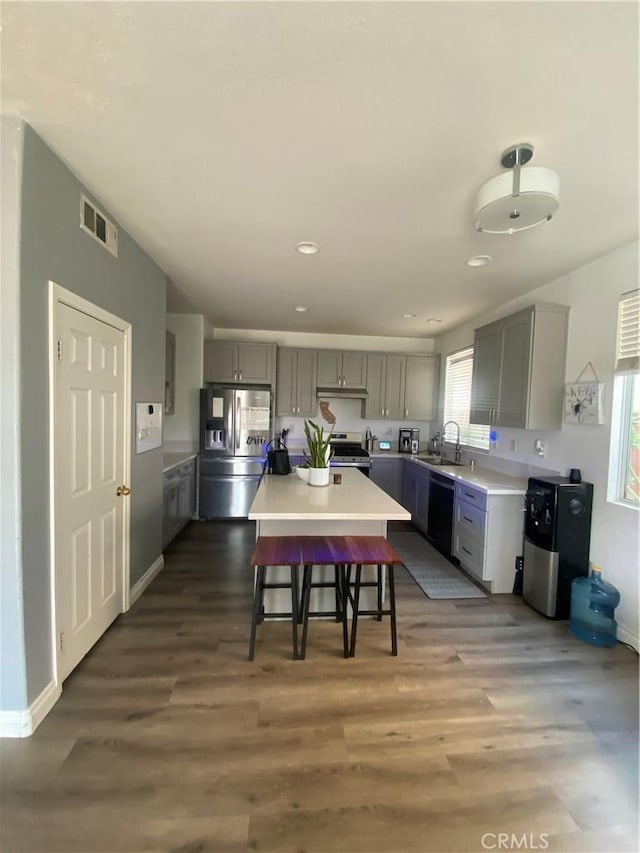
pixel 583 403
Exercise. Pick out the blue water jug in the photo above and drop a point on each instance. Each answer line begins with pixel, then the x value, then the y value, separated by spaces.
pixel 593 602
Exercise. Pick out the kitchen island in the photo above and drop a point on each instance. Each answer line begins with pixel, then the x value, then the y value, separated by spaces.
pixel 287 506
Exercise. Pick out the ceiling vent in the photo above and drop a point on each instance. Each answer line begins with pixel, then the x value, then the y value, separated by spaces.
pixel 96 223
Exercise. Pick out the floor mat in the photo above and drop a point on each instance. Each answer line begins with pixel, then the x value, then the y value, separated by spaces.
pixel 433 573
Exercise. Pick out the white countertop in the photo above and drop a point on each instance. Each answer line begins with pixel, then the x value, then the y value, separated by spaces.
pixel 172 460
pixel 492 482
pixel 356 498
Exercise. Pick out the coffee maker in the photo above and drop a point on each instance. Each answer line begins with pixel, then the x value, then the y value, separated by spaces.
pixel 409 440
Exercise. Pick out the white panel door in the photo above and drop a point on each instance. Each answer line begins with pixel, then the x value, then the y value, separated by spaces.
pixel 89 468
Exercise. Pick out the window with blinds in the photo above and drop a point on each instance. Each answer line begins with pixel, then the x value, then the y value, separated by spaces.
pixel 624 477
pixel 457 401
pixel 628 337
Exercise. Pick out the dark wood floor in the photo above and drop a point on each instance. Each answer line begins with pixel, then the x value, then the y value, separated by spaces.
pixel 491 720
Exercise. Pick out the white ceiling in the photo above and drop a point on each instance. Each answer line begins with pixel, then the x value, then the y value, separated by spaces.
pixel 221 134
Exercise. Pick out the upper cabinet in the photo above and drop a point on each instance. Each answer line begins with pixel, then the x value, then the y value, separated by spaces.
pixel 421 387
pixel 342 369
pixel 518 369
pixel 401 387
pixel 170 374
pixel 296 388
pixel 385 386
pixel 239 363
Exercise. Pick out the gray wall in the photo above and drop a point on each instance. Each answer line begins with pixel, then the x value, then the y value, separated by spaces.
pixel 132 286
pixel 13 687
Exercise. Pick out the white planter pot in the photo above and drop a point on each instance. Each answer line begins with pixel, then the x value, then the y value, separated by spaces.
pixel 319 476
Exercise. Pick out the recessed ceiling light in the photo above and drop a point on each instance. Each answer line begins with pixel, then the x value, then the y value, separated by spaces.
pixel 408 316
pixel 434 320
pixel 301 308
pixel 478 260
pixel 307 248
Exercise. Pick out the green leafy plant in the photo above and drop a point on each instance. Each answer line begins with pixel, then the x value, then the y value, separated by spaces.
pixel 319 449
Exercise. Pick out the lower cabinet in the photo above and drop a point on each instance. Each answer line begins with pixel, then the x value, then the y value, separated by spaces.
pixel 387 474
pixel 488 535
pixel 415 492
pixel 178 499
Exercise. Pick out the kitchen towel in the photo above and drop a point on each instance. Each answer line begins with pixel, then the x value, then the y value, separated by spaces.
pixel 433 573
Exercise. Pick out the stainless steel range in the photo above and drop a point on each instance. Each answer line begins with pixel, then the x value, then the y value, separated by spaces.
pixel 348 452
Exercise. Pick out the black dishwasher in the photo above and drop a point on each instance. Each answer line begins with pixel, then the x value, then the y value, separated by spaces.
pixel 440 518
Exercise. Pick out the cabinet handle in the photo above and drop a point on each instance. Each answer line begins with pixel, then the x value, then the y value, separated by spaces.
pixel 240 376
pixel 382 412
pixel 406 413
pixel 465 551
pixel 470 520
pixel 469 495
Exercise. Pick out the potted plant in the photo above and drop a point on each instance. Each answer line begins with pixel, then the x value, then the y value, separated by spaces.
pixel 317 454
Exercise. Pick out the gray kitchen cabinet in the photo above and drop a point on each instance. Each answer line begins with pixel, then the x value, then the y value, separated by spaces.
pixel 421 387
pixel 239 362
pixel 387 474
pixel 415 493
pixel 178 499
pixel 297 380
pixel 518 369
pixel 422 499
pixel 401 387
pixel 409 487
pixel 385 386
pixel 488 535
pixel 170 374
pixel 342 369
pixel 170 487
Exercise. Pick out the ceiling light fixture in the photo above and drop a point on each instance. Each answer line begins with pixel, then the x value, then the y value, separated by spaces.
pixel 478 260
pixel 301 309
pixel 434 320
pixel 520 199
pixel 307 248
pixel 408 316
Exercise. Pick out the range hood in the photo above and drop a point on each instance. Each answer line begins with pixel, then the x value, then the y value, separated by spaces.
pixel 344 393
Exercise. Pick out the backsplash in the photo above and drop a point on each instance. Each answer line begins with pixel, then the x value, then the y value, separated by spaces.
pixel 349 418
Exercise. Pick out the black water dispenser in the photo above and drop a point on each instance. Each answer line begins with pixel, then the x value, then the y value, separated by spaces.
pixel 556 543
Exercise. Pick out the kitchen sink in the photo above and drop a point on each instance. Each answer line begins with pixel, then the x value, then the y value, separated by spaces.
pixel 438 460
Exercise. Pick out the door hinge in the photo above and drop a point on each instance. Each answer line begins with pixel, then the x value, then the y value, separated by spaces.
pixel 59 350
pixel 62 642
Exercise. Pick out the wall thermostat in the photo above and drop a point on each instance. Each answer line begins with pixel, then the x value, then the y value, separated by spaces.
pixel 384 445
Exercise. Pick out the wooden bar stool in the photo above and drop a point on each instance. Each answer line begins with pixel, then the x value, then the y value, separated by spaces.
pixel 324 551
pixel 371 551
pixel 275 551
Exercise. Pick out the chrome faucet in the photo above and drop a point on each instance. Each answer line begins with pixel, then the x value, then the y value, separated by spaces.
pixel 457 450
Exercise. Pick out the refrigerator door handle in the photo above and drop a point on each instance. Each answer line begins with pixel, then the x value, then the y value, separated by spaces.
pixel 229 424
pixel 236 431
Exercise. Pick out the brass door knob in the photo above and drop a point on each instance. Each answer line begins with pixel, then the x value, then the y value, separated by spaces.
pixel 123 490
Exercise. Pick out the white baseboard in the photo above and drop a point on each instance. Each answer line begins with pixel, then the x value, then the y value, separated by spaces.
pixel 627 637
pixel 24 723
pixel 140 586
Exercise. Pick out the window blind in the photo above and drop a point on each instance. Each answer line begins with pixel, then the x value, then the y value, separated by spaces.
pixel 457 401
pixel 628 337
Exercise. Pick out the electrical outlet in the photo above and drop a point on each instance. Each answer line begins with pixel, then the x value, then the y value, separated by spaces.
pixel 514 445
pixel 539 447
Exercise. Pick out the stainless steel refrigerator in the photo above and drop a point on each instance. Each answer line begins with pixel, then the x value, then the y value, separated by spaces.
pixel 235 426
